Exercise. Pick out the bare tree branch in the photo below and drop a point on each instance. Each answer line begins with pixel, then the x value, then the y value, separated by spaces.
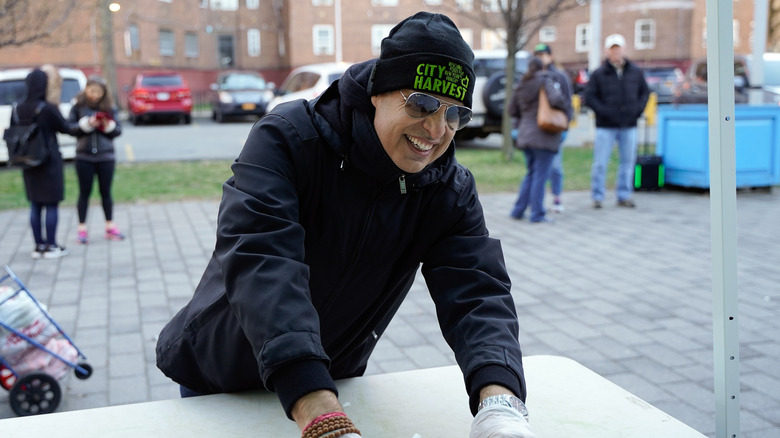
pixel 26 21
pixel 519 19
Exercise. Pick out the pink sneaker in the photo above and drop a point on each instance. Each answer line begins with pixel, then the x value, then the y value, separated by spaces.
pixel 82 238
pixel 113 233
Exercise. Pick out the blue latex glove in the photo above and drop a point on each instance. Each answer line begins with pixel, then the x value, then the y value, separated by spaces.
pixel 563 136
pixel 514 134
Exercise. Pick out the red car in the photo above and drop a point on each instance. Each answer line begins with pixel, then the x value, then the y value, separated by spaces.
pixel 158 95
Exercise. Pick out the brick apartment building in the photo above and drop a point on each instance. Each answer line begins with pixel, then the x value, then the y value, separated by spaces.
pixel 201 37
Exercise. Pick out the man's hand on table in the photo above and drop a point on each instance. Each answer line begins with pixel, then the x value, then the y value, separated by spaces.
pixel 496 418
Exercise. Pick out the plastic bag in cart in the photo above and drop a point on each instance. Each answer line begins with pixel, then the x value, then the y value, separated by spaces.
pixel 21 314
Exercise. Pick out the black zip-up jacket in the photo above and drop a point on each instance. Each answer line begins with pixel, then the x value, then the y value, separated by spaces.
pixel 95 146
pixel 318 244
pixel 618 101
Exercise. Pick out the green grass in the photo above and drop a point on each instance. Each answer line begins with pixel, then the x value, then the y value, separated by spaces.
pixel 169 181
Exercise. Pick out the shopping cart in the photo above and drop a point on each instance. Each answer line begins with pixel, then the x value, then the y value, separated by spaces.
pixel 34 351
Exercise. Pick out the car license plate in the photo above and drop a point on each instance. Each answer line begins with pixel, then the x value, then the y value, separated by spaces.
pixel 248 106
pixel 163 96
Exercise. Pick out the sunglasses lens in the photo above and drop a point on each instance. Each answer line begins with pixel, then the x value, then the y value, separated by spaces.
pixel 458 117
pixel 421 105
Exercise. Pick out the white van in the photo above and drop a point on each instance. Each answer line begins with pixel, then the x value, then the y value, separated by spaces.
pixel 13 89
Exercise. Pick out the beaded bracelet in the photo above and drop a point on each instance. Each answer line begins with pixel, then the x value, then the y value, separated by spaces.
pixel 323 417
pixel 330 426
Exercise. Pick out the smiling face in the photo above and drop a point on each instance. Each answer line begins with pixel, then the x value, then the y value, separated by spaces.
pixel 411 143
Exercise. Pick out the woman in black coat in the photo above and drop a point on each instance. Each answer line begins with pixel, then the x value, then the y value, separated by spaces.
pixel 45 184
pixel 538 146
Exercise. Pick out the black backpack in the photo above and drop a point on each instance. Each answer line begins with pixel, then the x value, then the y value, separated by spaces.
pixel 26 144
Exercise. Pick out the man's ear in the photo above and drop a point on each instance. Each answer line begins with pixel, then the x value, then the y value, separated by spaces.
pixel 373 100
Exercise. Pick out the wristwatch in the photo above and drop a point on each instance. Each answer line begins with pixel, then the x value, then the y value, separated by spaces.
pixel 504 400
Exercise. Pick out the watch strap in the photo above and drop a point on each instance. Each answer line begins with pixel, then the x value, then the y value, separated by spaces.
pixel 504 400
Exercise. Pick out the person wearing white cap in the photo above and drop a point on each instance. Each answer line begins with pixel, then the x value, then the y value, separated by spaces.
pixel 617 93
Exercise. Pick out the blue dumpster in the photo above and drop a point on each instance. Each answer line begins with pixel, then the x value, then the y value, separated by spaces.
pixel 683 142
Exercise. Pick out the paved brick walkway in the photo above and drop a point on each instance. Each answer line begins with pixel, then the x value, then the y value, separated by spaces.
pixel 625 292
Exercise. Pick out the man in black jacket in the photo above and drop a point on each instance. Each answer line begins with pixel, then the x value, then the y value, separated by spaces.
pixel 332 207
pixel 617 93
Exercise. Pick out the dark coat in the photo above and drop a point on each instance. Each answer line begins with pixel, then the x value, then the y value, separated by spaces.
pixel 317 246
pixel 44 184
pixel 617 101
pixel 525 106
pixel 95 146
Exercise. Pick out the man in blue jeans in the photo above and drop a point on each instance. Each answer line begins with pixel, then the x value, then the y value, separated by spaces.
pixel 617 93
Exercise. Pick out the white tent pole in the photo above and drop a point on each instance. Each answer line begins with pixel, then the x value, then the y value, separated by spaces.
pixel 723 214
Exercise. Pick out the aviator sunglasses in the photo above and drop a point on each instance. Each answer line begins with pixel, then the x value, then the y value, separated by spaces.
pixel 420 105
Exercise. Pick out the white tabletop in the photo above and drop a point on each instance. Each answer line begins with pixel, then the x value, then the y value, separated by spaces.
pixel 565 400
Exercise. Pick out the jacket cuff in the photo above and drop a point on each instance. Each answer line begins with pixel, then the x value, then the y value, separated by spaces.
pixel 297 379
pixel 492 375
pixel 84 125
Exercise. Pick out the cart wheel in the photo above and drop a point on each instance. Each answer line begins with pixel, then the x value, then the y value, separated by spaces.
pixel 7 378
pixel 35 393
pixel 87 371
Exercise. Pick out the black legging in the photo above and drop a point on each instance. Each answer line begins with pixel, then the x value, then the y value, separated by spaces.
pixel 52 216
pixel 86 172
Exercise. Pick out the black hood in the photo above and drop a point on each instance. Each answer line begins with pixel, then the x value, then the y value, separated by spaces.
pixel 36 85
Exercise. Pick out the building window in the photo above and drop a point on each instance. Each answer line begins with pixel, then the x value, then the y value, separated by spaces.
pixel 378 33
pixel 464 5
pixel 644 34
pixel 582 38
pixel 226 51
pixel 204 3
pixel 548 34
pixel 432 2
pixel 252 4
pixel 224 5
pixel 490 6
pixel 493 39
pixel 468 37
pixel 132 40
pixel 322 2
pixel 384 2
pixel 191 45
pixel 322 37
pixel 167 43
pixel 253 42
pixel 735 30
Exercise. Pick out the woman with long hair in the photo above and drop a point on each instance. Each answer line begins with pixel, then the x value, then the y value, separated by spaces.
pixel 98 126
pixel 538 146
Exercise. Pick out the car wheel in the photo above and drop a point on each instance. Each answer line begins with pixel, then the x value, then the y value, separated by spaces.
pixel 213 114
pixel 136 120
pixel 187 119
pixel 219 117
pixel 494 94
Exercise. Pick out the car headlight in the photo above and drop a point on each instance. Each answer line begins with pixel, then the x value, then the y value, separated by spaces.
pixel 225 97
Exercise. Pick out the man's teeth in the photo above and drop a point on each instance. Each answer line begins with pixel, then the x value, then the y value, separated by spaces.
pixel 419 145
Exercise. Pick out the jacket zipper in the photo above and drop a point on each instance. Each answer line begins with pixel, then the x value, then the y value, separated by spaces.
pixel 402 183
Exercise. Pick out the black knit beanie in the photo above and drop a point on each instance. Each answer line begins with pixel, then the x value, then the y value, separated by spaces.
pixel 427 53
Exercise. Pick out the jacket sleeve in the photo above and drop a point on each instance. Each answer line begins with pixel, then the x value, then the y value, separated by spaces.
pixel 593 93
pixel 468 281
pixel 260 248
pixel 644 93
pixel 57 122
